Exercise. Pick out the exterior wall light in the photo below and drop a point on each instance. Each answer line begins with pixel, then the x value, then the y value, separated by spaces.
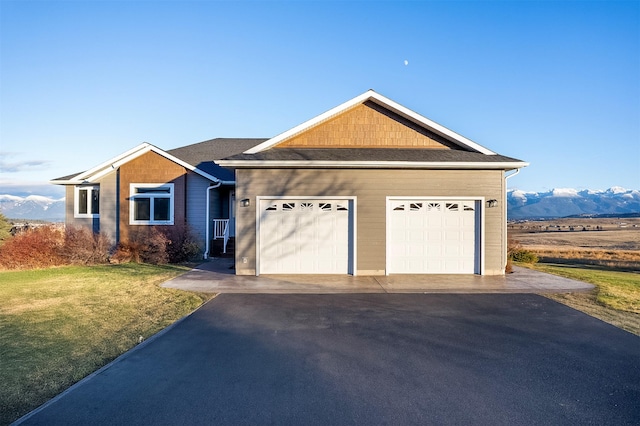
pixel 492 203
pixel 245 202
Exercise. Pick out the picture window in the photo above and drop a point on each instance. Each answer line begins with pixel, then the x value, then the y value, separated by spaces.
pixel 151 204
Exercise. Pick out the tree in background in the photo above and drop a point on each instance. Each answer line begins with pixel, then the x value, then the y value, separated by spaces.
pixel 5 228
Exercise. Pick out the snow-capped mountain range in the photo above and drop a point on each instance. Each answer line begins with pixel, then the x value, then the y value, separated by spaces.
pixel 559 202
pixel 562 202
pixel 32 207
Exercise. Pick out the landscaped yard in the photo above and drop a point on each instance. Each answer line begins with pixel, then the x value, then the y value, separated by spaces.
pixel 59 325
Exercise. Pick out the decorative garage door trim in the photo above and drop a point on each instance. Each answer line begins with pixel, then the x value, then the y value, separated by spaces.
pixel 305 235
pixel 435 235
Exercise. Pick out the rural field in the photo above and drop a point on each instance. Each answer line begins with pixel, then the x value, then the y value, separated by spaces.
pixel 604 252
pixel 603 242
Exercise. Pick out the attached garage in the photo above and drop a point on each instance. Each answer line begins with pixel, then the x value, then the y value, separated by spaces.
pixel 420 190
pixel 434 236
pixel 305 236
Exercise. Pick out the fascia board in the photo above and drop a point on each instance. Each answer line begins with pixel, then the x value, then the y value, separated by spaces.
pixel 88 173
pixel 65 182
pixel 380 100
pixel 309 123
pixel 479 165
pixel 109 166
pixel 414 116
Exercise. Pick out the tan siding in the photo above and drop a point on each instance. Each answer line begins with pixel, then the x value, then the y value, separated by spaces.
pixel 68 205
pixel 371 187
pixel 364 127
pixel 109 206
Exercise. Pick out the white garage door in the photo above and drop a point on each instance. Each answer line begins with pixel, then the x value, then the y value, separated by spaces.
pixel 304 236
pixel 432 237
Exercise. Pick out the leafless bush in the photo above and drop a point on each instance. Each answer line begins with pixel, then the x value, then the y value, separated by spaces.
pixel 33 248
pixel 81 246
pixel 144 246
pixel 183 244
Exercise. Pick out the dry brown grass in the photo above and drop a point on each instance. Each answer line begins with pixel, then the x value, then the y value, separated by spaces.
pixel 587 303
pixel 616 245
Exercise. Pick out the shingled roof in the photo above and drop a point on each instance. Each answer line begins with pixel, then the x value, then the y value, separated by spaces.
pixel 203 155
pixel 372 154
pixel 446 149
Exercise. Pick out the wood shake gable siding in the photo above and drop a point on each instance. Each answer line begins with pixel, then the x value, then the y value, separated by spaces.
pixel 151 168
pixel 371 187
pixel 365 126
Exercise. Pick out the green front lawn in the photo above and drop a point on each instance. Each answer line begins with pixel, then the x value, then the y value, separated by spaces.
pixel 58 325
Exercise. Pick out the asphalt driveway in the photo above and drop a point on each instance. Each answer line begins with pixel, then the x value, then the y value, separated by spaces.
pixel 368 359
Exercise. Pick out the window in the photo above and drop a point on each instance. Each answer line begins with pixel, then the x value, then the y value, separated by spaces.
pixel 87 201
pixel 151 204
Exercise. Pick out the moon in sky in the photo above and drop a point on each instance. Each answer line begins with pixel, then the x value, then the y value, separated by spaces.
pixel 406 62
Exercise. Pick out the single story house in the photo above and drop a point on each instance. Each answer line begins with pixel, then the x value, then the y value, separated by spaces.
pixel 366 188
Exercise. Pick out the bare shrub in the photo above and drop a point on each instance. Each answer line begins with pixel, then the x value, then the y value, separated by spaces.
pixel 33 248
pixel 81 246
pixel 183 243
pixel 148 245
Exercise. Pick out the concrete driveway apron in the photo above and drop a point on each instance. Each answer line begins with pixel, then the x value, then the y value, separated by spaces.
pixel 499 359
pixel 217 276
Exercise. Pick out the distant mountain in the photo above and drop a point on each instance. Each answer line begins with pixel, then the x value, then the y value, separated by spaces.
pixel 33 207
pixel 559 202
pixel 562 202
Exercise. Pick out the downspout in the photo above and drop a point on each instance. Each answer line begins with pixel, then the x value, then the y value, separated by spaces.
pixel 506 238
pixel 208 219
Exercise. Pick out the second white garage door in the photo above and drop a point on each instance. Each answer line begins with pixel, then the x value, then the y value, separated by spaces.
pixel 305 236
pixel 433 236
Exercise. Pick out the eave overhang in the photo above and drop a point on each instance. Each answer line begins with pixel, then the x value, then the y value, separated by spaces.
pixel 436 165
pixel 385 102
pixel 103 169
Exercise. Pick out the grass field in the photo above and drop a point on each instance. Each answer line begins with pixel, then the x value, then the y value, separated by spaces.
pixel 59 325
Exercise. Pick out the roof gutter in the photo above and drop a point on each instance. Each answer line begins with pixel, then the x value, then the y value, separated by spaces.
pixel 374 164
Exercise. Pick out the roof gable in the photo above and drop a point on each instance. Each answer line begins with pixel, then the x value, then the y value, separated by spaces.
pixel 367 125
pixel 109 166
pixel 392 111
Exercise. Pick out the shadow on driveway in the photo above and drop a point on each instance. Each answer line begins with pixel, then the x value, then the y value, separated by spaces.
pixel 499 359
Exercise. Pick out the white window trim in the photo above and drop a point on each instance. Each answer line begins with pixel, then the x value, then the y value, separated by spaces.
pixel 76 201
pixel 133 196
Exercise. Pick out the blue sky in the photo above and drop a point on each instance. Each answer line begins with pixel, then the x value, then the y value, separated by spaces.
pixel 556 84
